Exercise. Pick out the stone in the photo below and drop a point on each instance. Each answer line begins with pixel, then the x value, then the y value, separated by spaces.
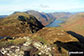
pixel 12 46
pixel 26 48
pixel 44 49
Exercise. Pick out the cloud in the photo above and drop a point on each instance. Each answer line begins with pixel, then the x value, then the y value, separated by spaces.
pixel 44 6
pixel 7 6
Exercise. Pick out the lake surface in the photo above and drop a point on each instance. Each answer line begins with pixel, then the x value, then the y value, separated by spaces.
pixel 55 23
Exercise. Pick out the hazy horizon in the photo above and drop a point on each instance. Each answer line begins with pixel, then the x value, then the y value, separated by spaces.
pixel 9 6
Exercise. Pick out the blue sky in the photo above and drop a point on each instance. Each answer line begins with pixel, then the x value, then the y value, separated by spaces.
pixel 9 6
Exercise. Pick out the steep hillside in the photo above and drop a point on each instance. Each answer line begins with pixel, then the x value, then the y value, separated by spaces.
pixel 19 23
pixel 75 23
pixel 42 17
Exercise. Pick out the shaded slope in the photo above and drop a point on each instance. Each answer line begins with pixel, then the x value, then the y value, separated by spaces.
pixel 71 47
pixel 78 36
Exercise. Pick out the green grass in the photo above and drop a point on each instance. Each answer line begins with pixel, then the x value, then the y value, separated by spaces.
pixel 6 43
pixel 41 39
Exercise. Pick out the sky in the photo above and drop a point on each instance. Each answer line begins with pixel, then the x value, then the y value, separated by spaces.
pixel 9 6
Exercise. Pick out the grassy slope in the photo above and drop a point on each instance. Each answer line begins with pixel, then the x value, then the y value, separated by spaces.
pixel 52 34
pixel 10 26
pixel 12 19
pixel 75 23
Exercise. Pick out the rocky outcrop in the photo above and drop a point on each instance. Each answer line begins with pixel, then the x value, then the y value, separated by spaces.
pixel 33 24
pixel 29 48
pixel 45 42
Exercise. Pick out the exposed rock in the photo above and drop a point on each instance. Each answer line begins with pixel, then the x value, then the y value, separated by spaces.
pixel 33 24
pixel 26 48
pixel 30 48
pixel 44 49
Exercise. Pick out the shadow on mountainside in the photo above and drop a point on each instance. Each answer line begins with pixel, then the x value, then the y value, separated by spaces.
pixel 78 36
pixel 34 24
pixel 72 46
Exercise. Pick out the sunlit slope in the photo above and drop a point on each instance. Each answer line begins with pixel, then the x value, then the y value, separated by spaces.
pixel 75 23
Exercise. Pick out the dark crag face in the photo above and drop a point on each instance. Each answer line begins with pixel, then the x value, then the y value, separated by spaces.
pixel 21 18
pixel 33 23
pixel 26 19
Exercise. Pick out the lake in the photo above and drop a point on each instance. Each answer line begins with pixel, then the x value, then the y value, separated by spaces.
pixel 55 23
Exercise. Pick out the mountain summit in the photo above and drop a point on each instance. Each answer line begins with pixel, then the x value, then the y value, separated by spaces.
pixel 19 23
